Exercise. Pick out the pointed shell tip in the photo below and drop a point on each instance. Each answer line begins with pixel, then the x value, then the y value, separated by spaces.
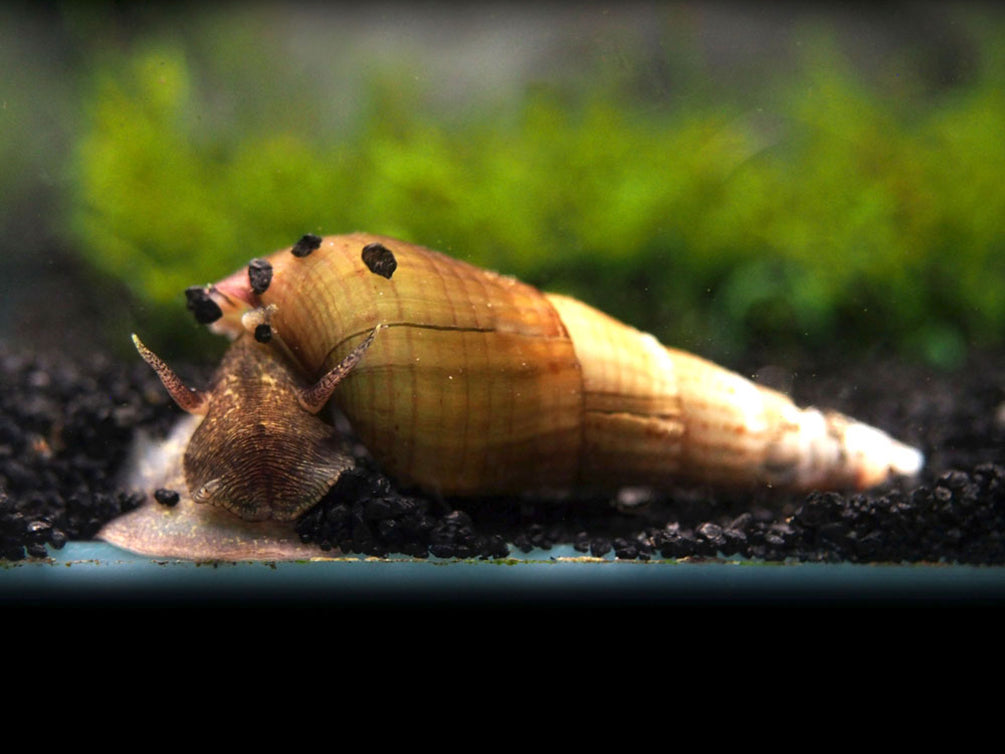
pixel 905 460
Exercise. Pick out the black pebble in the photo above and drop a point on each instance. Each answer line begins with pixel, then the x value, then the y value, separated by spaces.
pixel 88 411
pixel 259 275
pixel 166 497
pixel 678 543
pixel 377 509
pixel 735 542
pixel 201 305
pixel 364 514
pixel 600 546
pixel 379 259
pixel 625 550
pixel 710 538
pixel 307 244
pixel 37 550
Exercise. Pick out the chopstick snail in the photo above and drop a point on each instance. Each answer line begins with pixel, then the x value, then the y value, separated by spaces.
pixel 477 384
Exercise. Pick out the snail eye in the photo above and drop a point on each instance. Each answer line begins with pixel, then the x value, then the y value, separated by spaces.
pixel 206 493
pixel 257 322
pixel 263 333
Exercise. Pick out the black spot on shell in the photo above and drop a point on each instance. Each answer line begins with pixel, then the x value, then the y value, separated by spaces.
pixel 306 245
pixel 259 275
pixel 379 259
pixel 166 497
pixel 201 305
pixel 263 333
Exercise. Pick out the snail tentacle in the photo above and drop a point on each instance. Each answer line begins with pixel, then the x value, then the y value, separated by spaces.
pixel 188 398
pixel 315 397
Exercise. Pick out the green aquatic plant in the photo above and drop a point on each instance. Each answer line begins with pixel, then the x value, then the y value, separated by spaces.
pixel 837 211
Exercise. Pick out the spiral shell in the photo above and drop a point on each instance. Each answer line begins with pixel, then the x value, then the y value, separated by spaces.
pixel 481 384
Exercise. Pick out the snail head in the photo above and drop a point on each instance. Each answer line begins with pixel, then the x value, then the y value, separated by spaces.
pixel 261 451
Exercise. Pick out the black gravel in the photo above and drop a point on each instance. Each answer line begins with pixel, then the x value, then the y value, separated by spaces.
pixel 65 430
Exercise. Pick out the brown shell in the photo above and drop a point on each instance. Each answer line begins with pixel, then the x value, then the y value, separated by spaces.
pixel 481 384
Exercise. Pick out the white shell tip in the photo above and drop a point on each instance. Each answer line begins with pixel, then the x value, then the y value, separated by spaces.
pixel 905 460
pixel 875 456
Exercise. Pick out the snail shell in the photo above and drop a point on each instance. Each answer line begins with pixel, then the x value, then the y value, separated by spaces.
pixel 481 384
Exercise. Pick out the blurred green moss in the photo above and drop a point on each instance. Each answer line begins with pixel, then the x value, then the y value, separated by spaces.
pixel 838 214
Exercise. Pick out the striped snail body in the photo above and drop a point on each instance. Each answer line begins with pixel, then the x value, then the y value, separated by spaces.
pixel 477 383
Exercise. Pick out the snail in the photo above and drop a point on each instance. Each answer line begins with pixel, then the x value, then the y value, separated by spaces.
pixel 465 382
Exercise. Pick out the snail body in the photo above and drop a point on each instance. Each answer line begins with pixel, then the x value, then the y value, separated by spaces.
pixel 480 384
